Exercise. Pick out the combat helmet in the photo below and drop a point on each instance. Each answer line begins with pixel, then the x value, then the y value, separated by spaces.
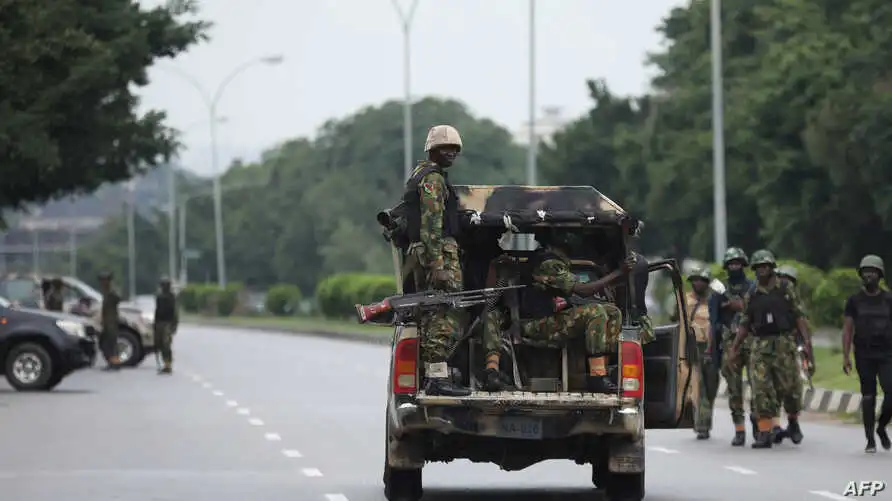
pixel 442 135
pixel 763 256
pixel 873 261
pixel 701 273
pixel 734 253
pixel 789 272
pixel 105 275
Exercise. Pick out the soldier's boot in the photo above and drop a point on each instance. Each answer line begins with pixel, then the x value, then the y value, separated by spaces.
pixel 598 380
pixel 114 363
pixel 703 435
pixel 885 418
pixel 442 382
pixel 763 440
pixel 739 436
pixel 494 380
pixel 167 369
pixel 794 430
pixel 778 434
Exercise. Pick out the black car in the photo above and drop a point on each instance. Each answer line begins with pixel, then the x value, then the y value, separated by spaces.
pixel 39 348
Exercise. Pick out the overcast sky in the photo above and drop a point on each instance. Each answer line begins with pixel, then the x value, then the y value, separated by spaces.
pixel 340 55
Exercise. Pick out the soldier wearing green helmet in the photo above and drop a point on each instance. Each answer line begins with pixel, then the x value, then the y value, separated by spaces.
pixel 724 313
pixel 787 274
pixel 772 315
pixel 868 327
pixel 697 302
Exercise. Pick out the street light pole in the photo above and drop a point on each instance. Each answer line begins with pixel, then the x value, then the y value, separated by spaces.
pixel 534 139
pixel 131 239
pixel 211 101
pixel 406 24
pixel 720 215
pixel 171 222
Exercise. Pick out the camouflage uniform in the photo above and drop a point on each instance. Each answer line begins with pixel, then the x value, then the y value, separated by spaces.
pixel 599 324
pixel 774 374
pixel 166 322
pixel 698 311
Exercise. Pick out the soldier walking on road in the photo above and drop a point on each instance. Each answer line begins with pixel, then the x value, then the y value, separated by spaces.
pixel 772 314
pixel 166 321
pixel 55 298
pixel 697 300
pixel 868 326
pixel 724 314
pixel 109 318
pixel 432 225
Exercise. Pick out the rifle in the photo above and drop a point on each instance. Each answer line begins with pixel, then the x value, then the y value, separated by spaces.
pixel 806 362
pixel 428 300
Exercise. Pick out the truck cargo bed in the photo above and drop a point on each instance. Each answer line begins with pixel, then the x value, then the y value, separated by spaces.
pixel 527 399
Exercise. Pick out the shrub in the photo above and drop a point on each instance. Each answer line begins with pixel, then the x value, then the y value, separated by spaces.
pixel 337 294
pixel 284 300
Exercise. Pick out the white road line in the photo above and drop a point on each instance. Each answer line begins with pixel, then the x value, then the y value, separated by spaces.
pixel 196 378
pixel 255 422
pixel 828 495
pixel 741 470
pixel 244 411
pixel 311 472
pixel 232 403
pixel 663 450
pixel 206 385
pixel 336 497
pixel 218 393
pixel 272 437
pixel 291 453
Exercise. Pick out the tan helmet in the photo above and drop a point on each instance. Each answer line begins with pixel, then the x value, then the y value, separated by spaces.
pixel 442 135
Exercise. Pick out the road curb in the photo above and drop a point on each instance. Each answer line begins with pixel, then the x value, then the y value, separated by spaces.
pixel 370 338
pixel 817 400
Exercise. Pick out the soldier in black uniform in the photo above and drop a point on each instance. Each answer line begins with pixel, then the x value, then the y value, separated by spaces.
pixel 868 326
pixel 166 322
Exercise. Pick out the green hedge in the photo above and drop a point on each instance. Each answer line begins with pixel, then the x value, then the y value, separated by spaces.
pixel 823 294
pixel 283 300
pixel 337 294
pixel 210 299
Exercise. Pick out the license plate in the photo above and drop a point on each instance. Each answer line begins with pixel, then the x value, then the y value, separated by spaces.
pixel 520 427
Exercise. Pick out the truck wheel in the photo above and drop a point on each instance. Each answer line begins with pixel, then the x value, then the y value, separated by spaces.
pixel 400 484
pixel 130 351
pixel 29 367
pixel 624 486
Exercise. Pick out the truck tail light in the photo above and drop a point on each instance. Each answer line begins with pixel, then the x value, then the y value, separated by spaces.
pixel 632 370
pixel 405 367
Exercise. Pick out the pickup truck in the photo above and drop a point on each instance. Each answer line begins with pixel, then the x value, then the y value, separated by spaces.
pixel 548 414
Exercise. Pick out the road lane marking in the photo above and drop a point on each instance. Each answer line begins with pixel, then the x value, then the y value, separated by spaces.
pixel 291 453
pixel 741 470
pixel 663 450
pixel 218 393
pixel 196 378
pixel 244 411
pixel 206 385
pixel 232 403
pixel 828 495
pixel 311 472
pixel 336 497
pixel 255 422
pixel 272 437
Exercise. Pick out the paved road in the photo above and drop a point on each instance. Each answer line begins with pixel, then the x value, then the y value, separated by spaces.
pixel 252 416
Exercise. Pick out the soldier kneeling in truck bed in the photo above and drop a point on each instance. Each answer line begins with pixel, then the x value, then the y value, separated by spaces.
pixel 551 278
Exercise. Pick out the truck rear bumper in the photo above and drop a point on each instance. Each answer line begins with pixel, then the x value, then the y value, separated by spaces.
pixel 519 415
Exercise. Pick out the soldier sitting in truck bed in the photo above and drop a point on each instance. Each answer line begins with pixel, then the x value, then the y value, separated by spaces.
pixel 550 275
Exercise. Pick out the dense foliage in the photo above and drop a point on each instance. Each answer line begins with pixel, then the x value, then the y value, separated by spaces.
pixel 68 72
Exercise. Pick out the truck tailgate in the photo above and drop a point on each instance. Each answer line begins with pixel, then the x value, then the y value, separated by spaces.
pixel 528 400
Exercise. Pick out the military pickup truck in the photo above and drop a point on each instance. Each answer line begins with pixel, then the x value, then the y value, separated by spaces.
pixel 548 414
pixel 136 332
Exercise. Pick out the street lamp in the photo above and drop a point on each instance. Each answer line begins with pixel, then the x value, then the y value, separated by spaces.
pixel 406 17
pixel 211 101
pixel 534 140
pixel 720 215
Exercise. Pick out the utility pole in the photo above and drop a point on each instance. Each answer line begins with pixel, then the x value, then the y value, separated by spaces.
pixel 171 222
pixel 184 259
pixel 35 251
pixel 131 239
pixel 72 251
pixel 406 17
pixel 534 139
pixel 720 215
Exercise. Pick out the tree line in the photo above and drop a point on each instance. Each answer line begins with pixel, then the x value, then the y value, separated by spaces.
pixel 807 115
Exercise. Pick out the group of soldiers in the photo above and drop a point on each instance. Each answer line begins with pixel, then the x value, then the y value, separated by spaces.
pixel 432 223
pixel 165 324
pixel 761 325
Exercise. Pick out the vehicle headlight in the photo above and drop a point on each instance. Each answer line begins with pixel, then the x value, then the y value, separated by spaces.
pixel 72 328
pixel 148 317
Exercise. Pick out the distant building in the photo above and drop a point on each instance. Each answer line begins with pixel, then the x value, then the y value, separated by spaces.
pixel 551 121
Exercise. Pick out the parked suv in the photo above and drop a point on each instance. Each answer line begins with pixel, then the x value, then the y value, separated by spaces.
pixel 136 337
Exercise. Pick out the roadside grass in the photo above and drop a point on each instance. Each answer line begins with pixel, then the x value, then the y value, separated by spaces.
pixel 310 324
pixel 828 373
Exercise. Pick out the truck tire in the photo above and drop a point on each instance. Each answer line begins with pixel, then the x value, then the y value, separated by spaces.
pixel 130 349
pixel 400 484
pixel 624 486
pixel 29 367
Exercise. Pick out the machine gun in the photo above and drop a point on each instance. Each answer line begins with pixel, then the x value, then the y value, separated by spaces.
pixel 429 300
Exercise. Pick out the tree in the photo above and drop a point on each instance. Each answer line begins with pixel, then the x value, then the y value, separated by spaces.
pixel 66 92
pixel 307 208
